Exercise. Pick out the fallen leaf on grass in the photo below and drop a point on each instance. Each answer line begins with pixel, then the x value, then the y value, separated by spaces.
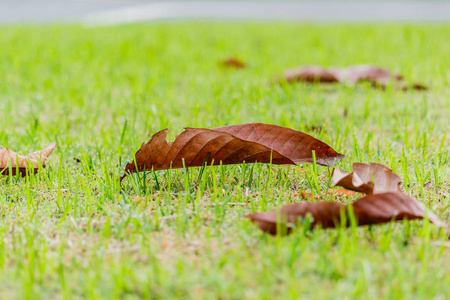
pixel 22 162
pixel 341 191
pixel 379 77
pixel 233 62
pixel 308 195
pixel 368 178
pixel 372 209
pixel 310 74
pixel 296 145
pixel 254 142
pixel 385 202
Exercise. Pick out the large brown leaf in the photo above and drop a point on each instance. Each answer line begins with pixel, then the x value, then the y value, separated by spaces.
pixel 296 145
pixel 372 209
pixel 368 178
pixel 230 145
pixel 379 77
pixel 22 162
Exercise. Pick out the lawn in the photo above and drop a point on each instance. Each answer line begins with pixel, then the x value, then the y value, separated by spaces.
pixel 69 232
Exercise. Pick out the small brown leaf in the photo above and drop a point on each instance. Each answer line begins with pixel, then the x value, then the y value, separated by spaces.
pixel 372 209
pixel 383 207
pixel 354 74
pixel 233 62
pixel 308 195
pixel 310 74
pixel 379 77
pixel 368 178
pixel 234 144
pixel 327 214
pixel 22 162
pixel 342 191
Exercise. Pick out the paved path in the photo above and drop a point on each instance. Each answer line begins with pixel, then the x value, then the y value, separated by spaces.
pixel 128 11
pixel 45 11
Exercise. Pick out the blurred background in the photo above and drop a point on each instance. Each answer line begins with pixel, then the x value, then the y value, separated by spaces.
pixel 129 11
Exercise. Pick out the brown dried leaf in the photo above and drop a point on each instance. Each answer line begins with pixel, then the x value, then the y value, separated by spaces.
pixel 341 191
pixel 296 145
pixel 230 145
pixel 310 74
pixel 370 178
pixel 327 214
pixel 233 62
pixel 372 209
pixel 379 77
pixel 354 74
pixel 21 162
pixel 308 195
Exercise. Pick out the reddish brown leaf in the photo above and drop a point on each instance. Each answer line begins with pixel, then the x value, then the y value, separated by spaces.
pixel 416 86
pixel 233 62
pixel 309 74
pixel 383 207
pixel 230 145
pixel 324 213
pixel 22 162
pixel 372 209
pixel 296 145
pixel 354 74
pixel 342 191
pixel 368 178
pixel 379 77
pixel 384 203
pixel 308 195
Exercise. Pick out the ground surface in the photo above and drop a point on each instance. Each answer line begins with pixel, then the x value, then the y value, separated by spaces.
pixel 99 92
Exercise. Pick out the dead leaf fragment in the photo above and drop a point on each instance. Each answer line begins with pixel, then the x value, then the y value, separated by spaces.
pixel 233 62
pixel 234 144
pixel 22 162
pixel 368 178
pixel 379 77
pixel 369 210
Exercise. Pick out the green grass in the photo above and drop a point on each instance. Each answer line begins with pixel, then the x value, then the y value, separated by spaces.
pixel 69 232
